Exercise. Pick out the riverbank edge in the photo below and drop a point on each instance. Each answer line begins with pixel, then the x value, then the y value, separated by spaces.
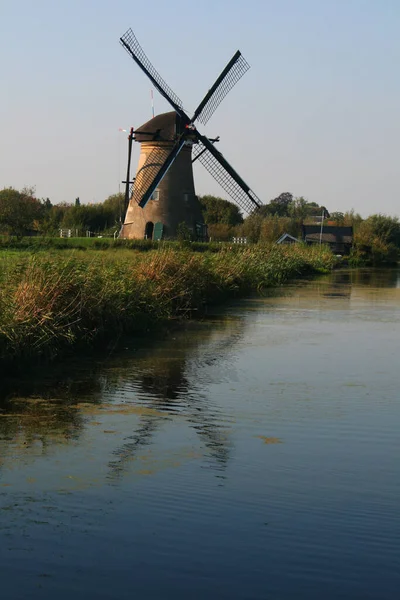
pixel 51 304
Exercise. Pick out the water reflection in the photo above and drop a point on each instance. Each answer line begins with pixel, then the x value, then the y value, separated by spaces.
pixel 375 278
pixel 170 385
pixel 252 455
pixel 163 379
pixel 151 384
pixel 348 284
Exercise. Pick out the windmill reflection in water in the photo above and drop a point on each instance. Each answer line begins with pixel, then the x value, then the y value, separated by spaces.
pixel 173 385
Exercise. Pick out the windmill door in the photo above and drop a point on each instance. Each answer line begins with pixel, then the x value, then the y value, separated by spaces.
pixel 158 231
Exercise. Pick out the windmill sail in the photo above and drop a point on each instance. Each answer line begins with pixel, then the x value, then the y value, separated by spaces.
pixel 132 46
pixel 226 176
pixel 233 71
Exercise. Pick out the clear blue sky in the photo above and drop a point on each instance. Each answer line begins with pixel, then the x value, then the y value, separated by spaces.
pixel 316 115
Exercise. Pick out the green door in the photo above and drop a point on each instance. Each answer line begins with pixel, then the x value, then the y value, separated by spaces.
pixel 158 231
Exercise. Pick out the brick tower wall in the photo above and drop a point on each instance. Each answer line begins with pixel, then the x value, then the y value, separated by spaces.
pixel 177 202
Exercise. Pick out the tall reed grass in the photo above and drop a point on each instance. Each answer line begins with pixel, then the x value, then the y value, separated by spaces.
pixel 52 301
pixel 37 244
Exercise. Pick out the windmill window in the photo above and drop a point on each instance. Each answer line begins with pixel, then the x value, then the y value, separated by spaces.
pixel 155 195
pixel 186 197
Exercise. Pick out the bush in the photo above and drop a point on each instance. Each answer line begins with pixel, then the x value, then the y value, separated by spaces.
pixel 377 241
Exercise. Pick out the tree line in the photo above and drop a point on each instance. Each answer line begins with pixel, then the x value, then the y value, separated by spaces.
pixel 376 237
pixel 22 213
pixel 283 214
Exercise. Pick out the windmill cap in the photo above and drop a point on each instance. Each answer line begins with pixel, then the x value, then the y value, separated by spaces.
pixel 162 128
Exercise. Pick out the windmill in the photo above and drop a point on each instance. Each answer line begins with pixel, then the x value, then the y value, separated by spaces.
pixel 163 194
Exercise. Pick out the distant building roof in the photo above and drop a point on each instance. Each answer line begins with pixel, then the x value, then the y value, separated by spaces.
pixel 331 234
pixel 286 237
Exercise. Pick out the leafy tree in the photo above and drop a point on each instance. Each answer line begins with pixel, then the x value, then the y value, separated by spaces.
pixel 285 205
pixel 337 217
pixel 221 232
pixel 386 228
pixel 302 209
pixel 251 227
pixel 273 227
pixel 280 205
pixel 53 218
pixel 218 210
pixel 92 217
pixel 77 202
pixel 352 218
pixel 47 205
pixel 19 211
pixel 264 211
pixel 114 207
pixel 298 209
pixel 377 240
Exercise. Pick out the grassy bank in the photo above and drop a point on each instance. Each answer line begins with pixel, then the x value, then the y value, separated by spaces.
pixel 53 301
pixel 37 244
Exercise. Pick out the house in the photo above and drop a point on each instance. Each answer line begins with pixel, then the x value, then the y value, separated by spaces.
pixel 339 239
pixel 286 238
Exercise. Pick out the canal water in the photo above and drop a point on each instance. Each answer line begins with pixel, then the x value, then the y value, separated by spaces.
pixel 253 455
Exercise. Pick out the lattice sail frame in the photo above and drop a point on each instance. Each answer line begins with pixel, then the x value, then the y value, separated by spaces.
pixel 236 72
pixel 132 46
pixel 248 201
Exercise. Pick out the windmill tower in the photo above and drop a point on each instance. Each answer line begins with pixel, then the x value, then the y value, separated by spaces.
pixel 174 200
pixel 163 194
